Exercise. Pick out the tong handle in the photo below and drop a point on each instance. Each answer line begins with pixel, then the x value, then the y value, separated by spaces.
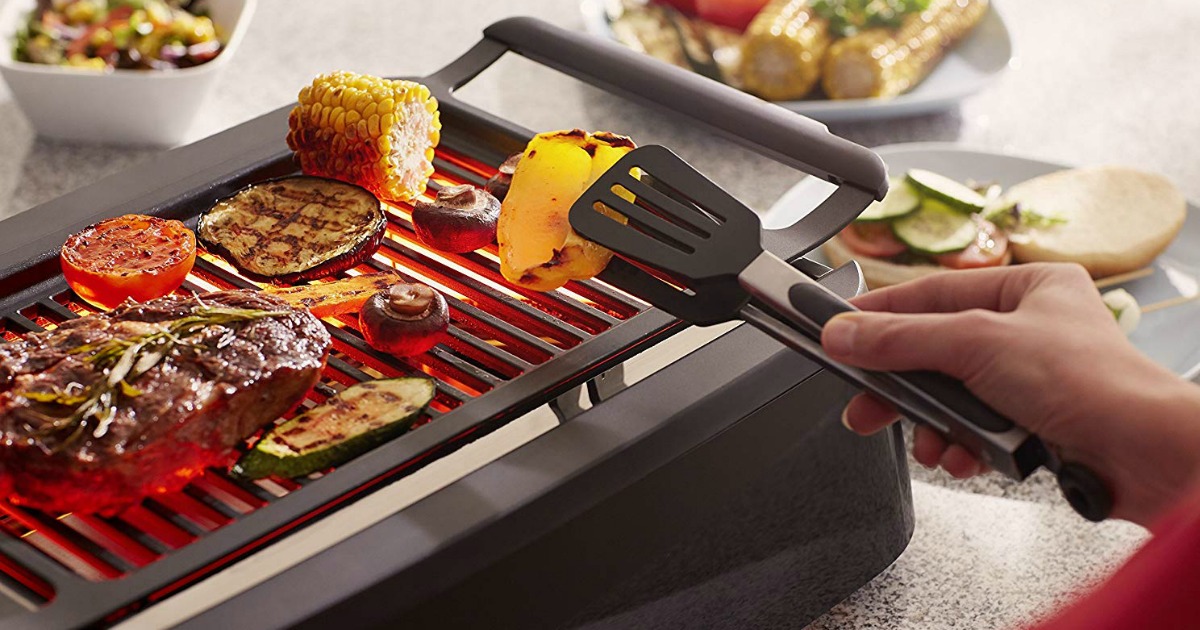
pixel 820 305
pixel 930 398
pixel 770 130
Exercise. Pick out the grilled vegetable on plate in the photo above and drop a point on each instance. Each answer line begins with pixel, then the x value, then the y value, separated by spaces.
pixel 538 248
pixel 358 419
pixel 405 320
pixel 1111 220
pixel 377 133
pixel 107 409
pixel 94 35
pixel 134 256
pixel 827 59
pixel 295 228
pixel 884 62
pixel 782 50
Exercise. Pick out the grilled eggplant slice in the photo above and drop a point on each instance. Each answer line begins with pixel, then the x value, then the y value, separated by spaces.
pixel 294 228
pixel 354 422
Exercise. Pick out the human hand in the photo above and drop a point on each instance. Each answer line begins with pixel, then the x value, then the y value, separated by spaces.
pixel 1037 344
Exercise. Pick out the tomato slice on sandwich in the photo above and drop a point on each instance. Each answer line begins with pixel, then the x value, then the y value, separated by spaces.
pixel 988 250
pixel 872 239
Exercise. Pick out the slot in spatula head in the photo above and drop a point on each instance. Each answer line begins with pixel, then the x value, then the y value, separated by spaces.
pixel 679 221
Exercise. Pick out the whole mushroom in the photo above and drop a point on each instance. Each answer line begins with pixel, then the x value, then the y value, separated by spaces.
pixel 498 184
pixel 460 219
pixel 405 320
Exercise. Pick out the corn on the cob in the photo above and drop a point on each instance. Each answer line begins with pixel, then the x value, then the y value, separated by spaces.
pixel 377 133
pixel 782 50
pixel 882 63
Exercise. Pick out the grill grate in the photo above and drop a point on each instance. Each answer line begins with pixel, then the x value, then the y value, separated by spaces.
pixel 497 333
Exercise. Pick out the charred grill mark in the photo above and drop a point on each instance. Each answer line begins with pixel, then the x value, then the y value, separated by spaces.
pixel 555 260
pixel 614 140
pixel 291 227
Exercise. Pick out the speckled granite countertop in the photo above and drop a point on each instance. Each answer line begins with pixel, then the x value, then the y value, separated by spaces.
pixel 1096 81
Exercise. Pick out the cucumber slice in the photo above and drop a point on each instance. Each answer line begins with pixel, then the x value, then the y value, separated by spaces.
pixel 936 229
pixel 344 427
pixel 901 199
pixel 958 196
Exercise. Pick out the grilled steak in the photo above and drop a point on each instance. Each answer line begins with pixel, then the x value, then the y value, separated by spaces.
pixel 107 409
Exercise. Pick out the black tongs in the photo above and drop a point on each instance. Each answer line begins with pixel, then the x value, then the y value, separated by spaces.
pixel 704 262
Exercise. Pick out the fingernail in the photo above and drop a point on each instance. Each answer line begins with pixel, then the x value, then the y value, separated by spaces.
pixel 846 419
pixel 838 337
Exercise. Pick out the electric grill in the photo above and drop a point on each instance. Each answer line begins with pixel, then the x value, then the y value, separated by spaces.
pixel 674 469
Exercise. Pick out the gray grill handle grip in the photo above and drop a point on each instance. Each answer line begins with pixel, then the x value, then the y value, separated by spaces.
pixel 768 129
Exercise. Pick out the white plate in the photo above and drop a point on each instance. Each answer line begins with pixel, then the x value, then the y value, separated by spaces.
pixel 968 68
pixel 1167 336
pixel 152 107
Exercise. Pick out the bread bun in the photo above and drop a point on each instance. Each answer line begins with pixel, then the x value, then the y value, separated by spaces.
pixel 877 272
pixel 1117 219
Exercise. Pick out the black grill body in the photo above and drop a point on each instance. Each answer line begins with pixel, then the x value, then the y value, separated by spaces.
pixel 720 490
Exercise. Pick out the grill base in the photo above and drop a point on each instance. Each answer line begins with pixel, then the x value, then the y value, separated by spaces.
pixel 748 505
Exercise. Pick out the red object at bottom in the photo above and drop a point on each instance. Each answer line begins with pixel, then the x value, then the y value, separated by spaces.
pixel 1159 587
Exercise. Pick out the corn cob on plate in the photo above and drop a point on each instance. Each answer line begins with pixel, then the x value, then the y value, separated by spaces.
pixel 976 61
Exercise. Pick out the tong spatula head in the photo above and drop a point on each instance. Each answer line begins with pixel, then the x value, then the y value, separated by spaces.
pixel 678 220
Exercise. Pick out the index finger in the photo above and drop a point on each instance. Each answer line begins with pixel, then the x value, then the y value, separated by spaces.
pixel 993 288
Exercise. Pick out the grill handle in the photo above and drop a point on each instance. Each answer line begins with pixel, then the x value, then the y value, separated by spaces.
pixel 770 130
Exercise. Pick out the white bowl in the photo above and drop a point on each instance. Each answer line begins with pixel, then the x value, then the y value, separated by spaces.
pixel 122 106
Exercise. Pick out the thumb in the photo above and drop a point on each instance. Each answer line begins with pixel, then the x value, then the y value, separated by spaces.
pixel 951 343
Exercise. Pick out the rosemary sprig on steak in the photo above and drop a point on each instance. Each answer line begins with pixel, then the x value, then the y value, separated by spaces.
pixel 122 361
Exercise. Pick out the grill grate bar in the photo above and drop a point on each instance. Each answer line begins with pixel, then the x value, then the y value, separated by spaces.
pixel 596 291
pixel 222 275
pixel 466 163
pixel 601 293
pixel 62 312
pixel 24 323
pixel 157 527
pixel 485 377
pixel 561 308
pixel 444 167
pixel 228 492
pixel 367 355
pixel 493 358
pixel 476 313
pixel 336 331
pixel 195 511
pixel 439 361
pixel 111 538
pixel 25 579
pixel 536 318
pixel 56 544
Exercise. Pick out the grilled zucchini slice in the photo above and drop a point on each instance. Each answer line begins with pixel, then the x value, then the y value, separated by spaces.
pixel 958 196
pixel 901 199
pixel 936 229
pixel 294 228
pixel 357 420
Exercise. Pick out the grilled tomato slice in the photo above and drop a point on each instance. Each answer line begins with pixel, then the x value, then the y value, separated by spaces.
pixel 133 256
